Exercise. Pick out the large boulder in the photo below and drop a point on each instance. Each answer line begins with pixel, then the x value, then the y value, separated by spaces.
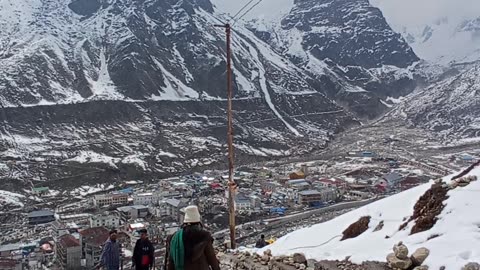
pixel 397 263
pixel 299 258
pixel 419 256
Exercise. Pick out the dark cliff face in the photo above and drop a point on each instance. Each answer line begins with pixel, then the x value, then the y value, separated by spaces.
pixel 350 33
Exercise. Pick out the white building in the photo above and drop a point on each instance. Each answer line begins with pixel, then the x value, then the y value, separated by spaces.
pixel 144 199
pixel 110 199
pixel 109 221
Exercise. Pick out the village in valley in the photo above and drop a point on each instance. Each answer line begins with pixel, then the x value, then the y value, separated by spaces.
pixel 66 229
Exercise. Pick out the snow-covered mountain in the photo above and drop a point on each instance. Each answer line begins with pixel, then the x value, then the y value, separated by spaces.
pixel 450 107
pixel 452 241
pixel 345 46
pixel 442 31
pixel 118 78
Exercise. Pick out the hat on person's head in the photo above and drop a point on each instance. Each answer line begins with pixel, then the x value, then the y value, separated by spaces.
pixel 143 231
pixel 191 214
pixel 112 231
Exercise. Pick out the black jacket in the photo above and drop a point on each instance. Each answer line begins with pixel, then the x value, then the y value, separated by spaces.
pixel 143 247
pixel 261 243
pixel 199 252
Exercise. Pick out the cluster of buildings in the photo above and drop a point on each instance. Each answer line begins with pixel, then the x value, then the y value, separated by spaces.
pixel 76 232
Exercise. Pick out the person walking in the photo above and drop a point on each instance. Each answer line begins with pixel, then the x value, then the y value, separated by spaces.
pixel 191 248
pixel 110 259
pixel 261 242
pixel 144 253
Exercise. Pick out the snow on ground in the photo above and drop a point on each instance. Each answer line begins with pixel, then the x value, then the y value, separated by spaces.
pixel 458 227
pixel 7 197
pixel 92 157
pixel 135 160
pixel 167 154
pixel 87 190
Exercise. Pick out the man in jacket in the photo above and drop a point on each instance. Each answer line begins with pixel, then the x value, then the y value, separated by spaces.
pixel 261 242
pixel 110 258
pixel 143 253
pixel 191 248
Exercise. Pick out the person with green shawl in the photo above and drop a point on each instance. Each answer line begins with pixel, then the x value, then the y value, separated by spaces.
pixel 191 247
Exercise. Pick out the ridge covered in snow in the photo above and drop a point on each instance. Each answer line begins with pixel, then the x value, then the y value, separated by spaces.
pixel 441 31
pixel 453 241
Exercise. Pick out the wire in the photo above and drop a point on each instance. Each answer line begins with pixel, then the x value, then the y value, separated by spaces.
pixel 242 9
pixel 246 12
pixel 322 244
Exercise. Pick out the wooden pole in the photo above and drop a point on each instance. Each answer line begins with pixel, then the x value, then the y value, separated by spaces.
pixel 231 182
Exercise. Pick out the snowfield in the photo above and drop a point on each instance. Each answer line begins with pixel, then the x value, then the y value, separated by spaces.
pixel 458 228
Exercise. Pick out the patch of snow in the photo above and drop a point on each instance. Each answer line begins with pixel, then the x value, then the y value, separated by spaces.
pixel 7 197
pixel 175 89
pixel 134 159
pixel 167 154
pixel 87 190
pixel 395 100
pixel 93 157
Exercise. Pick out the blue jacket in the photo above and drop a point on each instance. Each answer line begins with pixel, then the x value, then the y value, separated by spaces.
pixel 111 255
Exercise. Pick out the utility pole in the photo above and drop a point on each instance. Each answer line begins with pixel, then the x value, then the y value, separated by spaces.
pixel 231 182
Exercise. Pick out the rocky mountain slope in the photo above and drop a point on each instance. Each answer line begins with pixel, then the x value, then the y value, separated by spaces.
pixel 128 87
pixel 450 107
pixel 436 216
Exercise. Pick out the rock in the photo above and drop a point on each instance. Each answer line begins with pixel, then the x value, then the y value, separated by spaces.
pixel 379 226
pixel 419 256
pixel 302 267
pixel 442 268
pixel 267 252
pixel 265 258
pixel 423 267
pixel 311 263
pixel 247 254
pixel 397 263
pixel 299 258
pixel 471 266
pixel 401 251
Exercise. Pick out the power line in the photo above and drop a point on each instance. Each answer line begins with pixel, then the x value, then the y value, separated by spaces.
pixel 242 9
pixel 246 12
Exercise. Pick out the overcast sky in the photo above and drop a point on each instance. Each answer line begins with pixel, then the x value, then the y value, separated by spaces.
pixel 422 12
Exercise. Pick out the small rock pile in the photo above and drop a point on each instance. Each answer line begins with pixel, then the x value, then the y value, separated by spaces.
pixel 399 259
pixel 266 261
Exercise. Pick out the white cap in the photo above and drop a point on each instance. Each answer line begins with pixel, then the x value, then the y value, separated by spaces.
pixel 191 214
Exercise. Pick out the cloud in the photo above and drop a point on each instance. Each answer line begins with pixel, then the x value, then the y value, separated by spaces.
pixel 411 13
